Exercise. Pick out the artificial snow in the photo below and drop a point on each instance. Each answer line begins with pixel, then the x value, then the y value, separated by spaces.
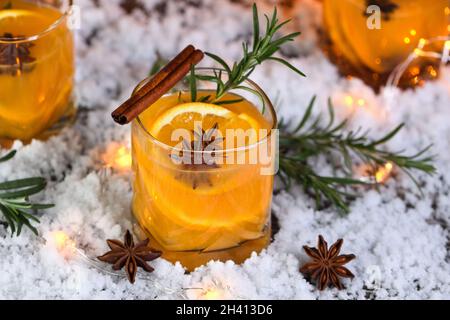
pixel 400 237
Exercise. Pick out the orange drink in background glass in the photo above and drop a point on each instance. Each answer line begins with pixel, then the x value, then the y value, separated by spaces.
pixel 205 210
pixel 362 48
pixel 36 68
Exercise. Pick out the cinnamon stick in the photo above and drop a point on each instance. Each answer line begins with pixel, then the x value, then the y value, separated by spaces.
pixel 132 107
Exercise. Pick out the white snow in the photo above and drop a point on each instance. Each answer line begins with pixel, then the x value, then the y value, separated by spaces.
pixel 401 239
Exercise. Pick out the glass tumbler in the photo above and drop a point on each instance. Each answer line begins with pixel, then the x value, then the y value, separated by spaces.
pixel 368 39
pixel 36 69
pixel 205 211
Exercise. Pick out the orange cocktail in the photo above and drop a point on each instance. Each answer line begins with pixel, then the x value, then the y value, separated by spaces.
pixel 209 208
pixel 36 68
pixel 370 38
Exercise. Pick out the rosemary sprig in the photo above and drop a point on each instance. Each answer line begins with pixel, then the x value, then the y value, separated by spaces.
pixel 15 204
pixel 263 49
pixel 311 138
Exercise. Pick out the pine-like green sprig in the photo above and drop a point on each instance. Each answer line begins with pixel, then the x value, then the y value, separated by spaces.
pixel 263 49
pixel 15 205
pixel 311 138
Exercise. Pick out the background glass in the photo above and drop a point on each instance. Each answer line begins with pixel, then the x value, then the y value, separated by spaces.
pixel 372 54
pixel 36 69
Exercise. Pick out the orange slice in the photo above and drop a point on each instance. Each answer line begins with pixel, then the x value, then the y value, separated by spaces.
pixel 190 116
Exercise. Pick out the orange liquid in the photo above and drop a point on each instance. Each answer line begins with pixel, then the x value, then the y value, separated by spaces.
pixel 193 215
pixel 34 97
pixel 381 50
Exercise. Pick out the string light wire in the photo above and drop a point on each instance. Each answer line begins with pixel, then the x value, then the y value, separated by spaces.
pixel 419 51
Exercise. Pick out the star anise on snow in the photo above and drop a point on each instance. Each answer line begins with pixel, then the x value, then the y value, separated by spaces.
pixel 127 254
pixel 327 265
pixel 15 54
pixel 387 7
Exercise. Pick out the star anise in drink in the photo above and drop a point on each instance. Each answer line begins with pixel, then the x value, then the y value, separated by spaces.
pixel 127 254
pixel 387 7
pixel 14 55
pixel 197 156
pixel 327 265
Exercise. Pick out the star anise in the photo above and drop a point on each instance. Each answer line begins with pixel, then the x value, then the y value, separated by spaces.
pixel 327 265
pixel 14 54
pixel 193 161
pixel 126 254
pixel 130 5
pixel 387 7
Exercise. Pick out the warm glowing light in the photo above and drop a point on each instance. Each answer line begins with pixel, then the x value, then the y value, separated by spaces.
pixel 422 42
pixel 123 158
pixel 447 11
pixel 384 172
pixel 361 102
pixel 381 174
pixel 62 241
pixel 407 40
pixel 432 71
pixel 447 45
pixel 349 101
pixel 418 52
pixel 415 71
pixel 413 32
pixel 117 157
pixel 213 294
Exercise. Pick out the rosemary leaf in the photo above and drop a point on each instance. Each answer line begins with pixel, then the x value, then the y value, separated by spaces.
pixel 263 49
pixel 193 84
pixel 300 145
pixel 8 156
pixel 14 201
pixel 223 102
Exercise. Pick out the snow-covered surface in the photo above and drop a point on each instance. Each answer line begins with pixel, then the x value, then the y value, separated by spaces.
pixel 401 240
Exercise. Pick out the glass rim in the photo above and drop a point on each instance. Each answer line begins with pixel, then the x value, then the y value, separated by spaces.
pixel 361 5
pixel 268 105
pixel 39 35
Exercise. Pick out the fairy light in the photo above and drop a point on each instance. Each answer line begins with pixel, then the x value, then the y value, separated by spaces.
pixel 406 40
pixel 417 52
pixel 367 174
pixel 217 290
pixel 123 158
pixel 384 172
pixel 351 101
pixel 213 294
pixel 415 71
pixel 67 248
pixel 432 71
pixel 413 32
pixel 361 102
pixel 63 244
pixel 62 240
pixel 421 50
pixel 348 101
pixel 118 157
